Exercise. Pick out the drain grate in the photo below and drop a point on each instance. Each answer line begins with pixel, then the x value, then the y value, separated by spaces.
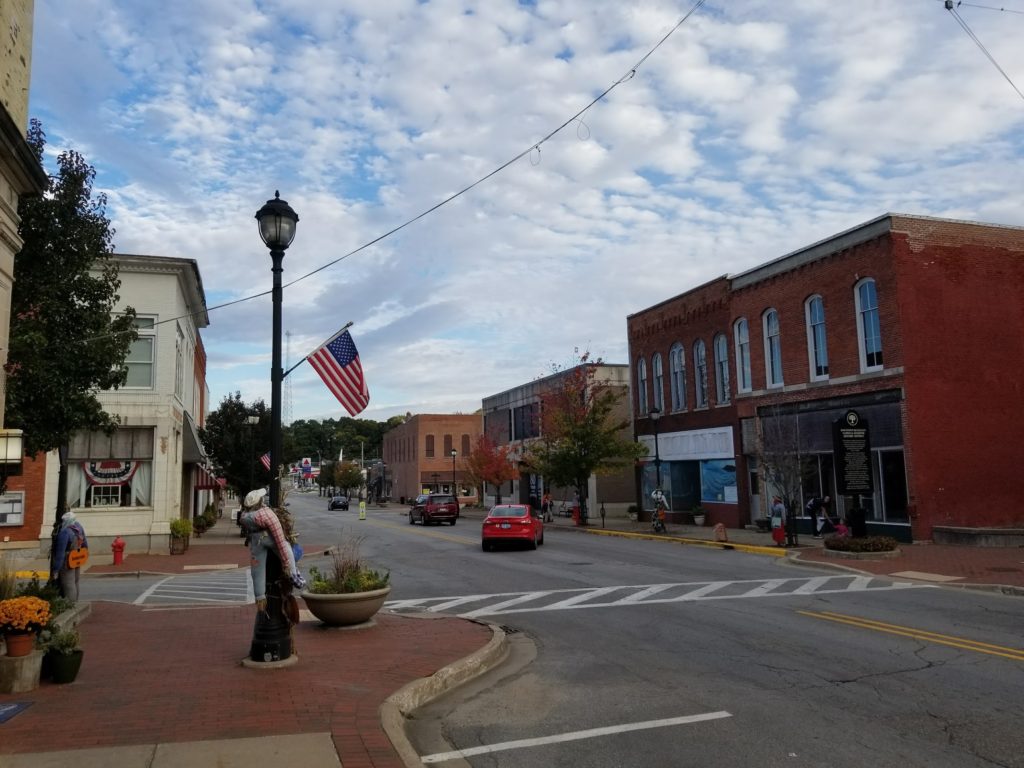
pixel 509 630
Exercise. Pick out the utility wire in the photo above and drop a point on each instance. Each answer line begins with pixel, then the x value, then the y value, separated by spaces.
pixel 625 78
pixel 970 33
pixel 989 8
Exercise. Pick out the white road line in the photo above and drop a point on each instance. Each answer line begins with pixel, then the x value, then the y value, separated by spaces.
pixel 812 585
pixel 859 584
pixel 457 601
pixel 142 598
pixel 590 733
pixel 497 607
pixel 765 588
pixel 643 594
pixel 575 599
pixel 696 594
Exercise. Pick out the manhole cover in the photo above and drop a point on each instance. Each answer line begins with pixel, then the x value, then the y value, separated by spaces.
pixel 1003 569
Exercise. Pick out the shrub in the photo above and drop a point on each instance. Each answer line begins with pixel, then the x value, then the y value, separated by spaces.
pixel 181 528
pixel 48 592
pixel 62 641
pixel 865 544
pixel 7 579
pixel 346 573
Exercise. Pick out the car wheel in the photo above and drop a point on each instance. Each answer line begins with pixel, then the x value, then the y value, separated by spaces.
pixel 452 522
pixel 541 542
pixel 533 542
pixel 485 546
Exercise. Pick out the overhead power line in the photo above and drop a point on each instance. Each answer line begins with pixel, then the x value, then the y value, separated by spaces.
pixel 950 6
pixel 532 148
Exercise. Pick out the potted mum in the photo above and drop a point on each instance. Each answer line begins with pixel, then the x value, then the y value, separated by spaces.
pixel 348 592
pixel 21 619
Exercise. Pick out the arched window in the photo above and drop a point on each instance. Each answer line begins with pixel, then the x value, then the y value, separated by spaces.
pixel 721 369
pixel 658 399
pixel 641 387
pixel 677 371
pixel 741 337
pixel 448 445
pixel 465 445
pixel 869 328
pixel 817 348
pixel 700 373
pixel 772 349
pixel 428 451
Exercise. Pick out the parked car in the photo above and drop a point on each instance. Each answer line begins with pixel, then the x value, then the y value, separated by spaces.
pixel 434 508
pixel 512 522
pixel 338 502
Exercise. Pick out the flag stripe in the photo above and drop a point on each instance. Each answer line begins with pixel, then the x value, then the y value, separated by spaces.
pixel 337 362
pixel 265 460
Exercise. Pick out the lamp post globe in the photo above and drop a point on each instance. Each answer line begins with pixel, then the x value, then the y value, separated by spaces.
pixel 271 641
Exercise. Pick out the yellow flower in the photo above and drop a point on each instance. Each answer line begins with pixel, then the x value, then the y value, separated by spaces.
pixel 23 614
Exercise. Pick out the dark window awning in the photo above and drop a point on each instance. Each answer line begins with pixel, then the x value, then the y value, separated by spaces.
pixel 193 452
pixel 204 480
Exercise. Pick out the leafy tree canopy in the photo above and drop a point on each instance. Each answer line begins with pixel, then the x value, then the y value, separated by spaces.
pixel 66 344
pixel 488 462
pixel 235 446
pixel 584 429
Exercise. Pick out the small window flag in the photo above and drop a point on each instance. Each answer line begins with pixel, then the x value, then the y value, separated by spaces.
pixel 337 362
pixel 265 460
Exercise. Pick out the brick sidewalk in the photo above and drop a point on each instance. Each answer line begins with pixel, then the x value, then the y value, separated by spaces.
pixel 966 565
pixel 174 675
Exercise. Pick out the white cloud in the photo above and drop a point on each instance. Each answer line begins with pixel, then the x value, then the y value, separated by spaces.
pixel 756 128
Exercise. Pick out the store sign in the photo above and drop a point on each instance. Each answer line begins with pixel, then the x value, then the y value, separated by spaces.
pixel 851 446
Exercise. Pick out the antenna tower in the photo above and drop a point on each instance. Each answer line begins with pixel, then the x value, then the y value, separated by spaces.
pixel 286 415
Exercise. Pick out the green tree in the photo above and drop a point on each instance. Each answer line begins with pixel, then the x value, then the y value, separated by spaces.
pixel 235 446
pixel 584 430
pixel 66 342
pixel 348 475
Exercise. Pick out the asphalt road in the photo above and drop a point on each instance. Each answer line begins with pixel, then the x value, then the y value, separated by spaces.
pixel 645 653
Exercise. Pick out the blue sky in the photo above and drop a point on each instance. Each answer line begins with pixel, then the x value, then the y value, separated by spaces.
pixel 758 127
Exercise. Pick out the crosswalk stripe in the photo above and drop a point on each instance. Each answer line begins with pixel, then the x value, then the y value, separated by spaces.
pixel 647 594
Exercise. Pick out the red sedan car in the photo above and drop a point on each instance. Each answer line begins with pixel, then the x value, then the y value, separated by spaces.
pixel 512 522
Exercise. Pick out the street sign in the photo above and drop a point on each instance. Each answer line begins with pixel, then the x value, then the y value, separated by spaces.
pixel 851 446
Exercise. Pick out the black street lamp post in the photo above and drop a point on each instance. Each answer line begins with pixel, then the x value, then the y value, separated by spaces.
pixel 655 414
pixel 454 492
pixel 271 641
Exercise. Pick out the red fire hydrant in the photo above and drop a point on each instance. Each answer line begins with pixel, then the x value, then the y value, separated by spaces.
pixel 117 547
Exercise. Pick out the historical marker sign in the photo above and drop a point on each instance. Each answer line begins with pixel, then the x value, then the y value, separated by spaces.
pixel 851 444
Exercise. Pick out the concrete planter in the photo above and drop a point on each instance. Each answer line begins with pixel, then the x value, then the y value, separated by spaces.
pixel 861 555
pixel 346 609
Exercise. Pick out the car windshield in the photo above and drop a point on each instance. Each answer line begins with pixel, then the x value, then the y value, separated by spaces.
pixel 508 512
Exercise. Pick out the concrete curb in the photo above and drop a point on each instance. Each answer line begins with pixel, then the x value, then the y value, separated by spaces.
pixel 396 708
pixel 749 548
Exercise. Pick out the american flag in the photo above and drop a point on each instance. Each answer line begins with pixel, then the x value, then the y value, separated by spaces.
pixel 265 460
pixel 337 362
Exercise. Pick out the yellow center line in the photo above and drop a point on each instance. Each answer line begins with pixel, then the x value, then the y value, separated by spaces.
pixel 919 634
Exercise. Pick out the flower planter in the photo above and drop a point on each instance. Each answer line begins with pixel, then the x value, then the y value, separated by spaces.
pixel 346 609
pixel 20 643
pixel 178 545
pixel 64 666
pixel 698 519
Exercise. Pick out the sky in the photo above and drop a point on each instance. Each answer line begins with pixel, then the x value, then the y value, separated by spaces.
pixel 755 128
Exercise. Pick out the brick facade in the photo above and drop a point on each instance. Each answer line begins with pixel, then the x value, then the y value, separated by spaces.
pixel 944 403
pixel 411 469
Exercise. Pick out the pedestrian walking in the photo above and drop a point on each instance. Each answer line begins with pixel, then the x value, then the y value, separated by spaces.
pixel 545 507
pixel 815 507
pixel 71 552
pixel 778 511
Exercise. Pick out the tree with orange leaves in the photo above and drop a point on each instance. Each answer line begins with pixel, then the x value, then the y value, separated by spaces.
pixel 488 462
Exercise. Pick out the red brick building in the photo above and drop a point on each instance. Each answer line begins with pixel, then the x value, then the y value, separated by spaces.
pixel 418 455
pixel 913 323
